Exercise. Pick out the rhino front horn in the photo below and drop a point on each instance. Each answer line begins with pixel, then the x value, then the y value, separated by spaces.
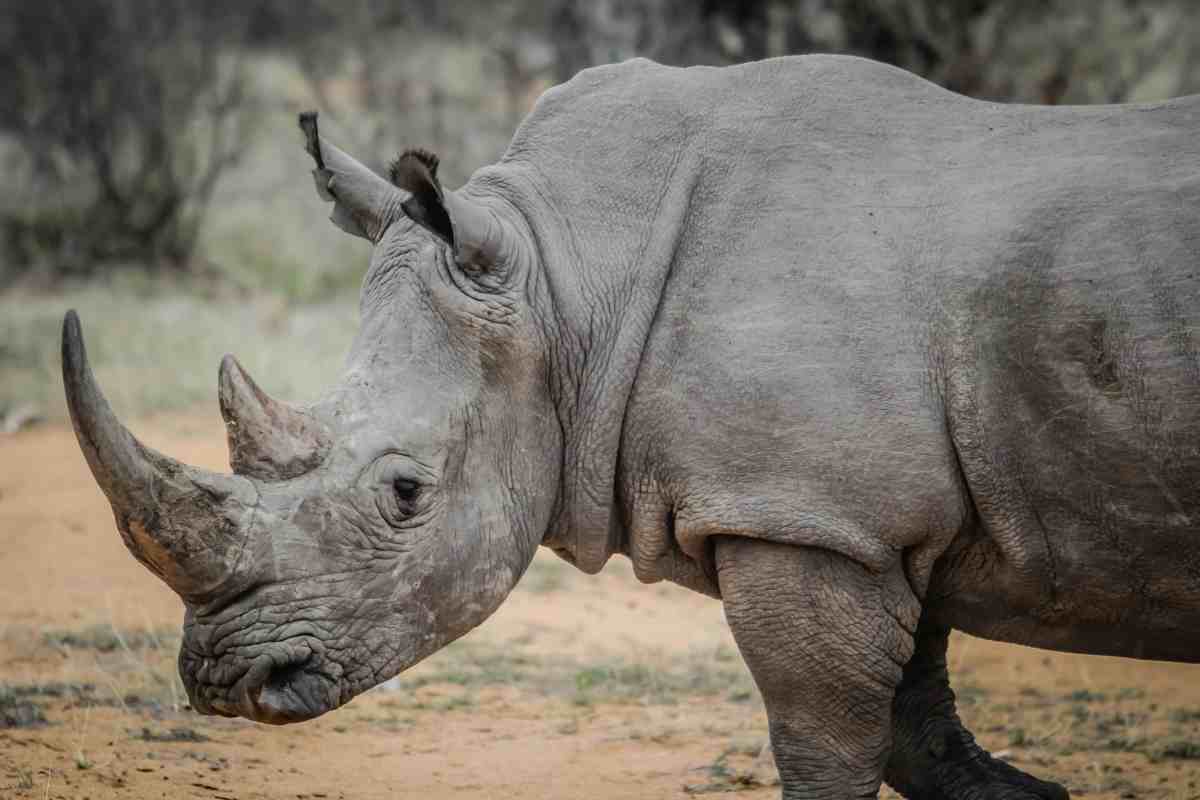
pixel 185 524
pixel 267 439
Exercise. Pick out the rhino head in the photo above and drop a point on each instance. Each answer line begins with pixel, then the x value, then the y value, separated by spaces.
pixel 362 533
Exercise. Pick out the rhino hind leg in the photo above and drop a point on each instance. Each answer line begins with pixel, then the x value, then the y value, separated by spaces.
pixel 933 756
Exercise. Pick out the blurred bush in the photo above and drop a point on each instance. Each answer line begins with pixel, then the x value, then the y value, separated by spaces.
pixel 125 114
pixel 122 115
pixel 1041 51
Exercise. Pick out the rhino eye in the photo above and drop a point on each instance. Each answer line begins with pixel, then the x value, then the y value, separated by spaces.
pixel 400 489
pixel 407 492
pixel 400 501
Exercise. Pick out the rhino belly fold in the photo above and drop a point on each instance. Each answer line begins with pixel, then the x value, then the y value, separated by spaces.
pixel 1097 605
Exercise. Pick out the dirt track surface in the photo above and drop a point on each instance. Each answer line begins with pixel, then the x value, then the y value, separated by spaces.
pixel 593 687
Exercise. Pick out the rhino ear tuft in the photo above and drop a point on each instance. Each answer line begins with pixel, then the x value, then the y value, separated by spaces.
pixel 399 169
pixel 415 171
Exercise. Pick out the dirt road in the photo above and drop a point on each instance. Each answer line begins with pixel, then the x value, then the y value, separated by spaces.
pixel 580 687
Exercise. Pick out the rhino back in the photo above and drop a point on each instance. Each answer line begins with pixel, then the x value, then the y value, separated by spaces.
pixel 876 280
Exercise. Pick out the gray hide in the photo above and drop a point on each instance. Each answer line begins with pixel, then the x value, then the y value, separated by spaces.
pixel 843 283
pixel 864 358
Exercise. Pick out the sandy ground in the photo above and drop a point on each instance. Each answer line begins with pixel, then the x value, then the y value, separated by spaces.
pixel 579 687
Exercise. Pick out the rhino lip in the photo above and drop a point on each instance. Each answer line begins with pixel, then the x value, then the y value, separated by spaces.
pixel 273 691
pixel 291 692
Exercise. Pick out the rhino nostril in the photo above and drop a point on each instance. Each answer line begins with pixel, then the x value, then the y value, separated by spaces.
pixel 286 676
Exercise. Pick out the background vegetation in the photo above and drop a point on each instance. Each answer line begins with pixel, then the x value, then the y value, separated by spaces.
pixel 156 179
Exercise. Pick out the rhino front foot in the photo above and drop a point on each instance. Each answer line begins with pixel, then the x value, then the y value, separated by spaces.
pixel 933 756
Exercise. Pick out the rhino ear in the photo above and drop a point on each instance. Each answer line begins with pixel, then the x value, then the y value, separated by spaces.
pixel 473 232
pixel 415 171
pixel 364 203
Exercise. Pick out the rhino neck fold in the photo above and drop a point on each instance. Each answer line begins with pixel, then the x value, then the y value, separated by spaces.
pixel 607 230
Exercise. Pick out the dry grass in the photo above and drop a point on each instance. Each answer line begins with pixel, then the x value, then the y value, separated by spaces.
pixel 160 349
pixel 653 678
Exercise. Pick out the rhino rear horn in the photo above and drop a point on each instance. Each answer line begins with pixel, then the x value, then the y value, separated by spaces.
pixel 267 439
pixel 187 525
pixel 364 203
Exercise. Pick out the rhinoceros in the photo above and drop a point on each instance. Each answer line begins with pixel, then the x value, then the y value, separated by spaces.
pixel 865 359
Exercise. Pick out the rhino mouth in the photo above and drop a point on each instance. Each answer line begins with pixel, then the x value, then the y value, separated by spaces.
pixel 293 693
pixel 273 691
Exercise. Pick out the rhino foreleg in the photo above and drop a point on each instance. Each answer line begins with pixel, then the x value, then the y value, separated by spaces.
pixel 933 756
pixel 826 640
